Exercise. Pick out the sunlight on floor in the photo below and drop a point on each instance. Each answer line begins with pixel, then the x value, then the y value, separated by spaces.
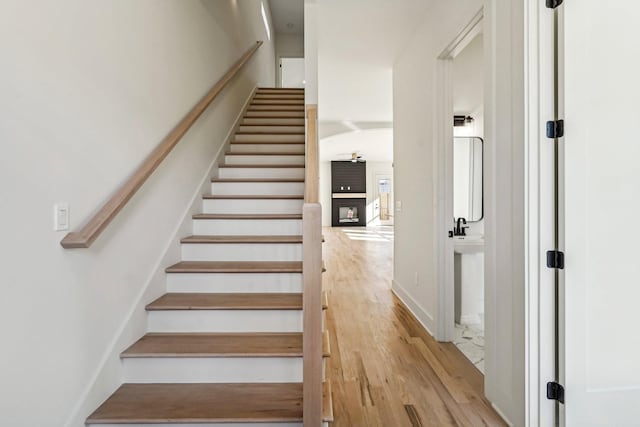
pixel 370 234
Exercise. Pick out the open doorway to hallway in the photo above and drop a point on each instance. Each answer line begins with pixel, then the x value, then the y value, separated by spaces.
pixel 461 158
pixel 468 215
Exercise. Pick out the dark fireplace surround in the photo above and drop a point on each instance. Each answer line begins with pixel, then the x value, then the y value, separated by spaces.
pixel 349 194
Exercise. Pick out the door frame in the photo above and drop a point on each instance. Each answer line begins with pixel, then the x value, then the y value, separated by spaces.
pixel 376 195
pixel 443 168
pixel 539 213
pixel 538 82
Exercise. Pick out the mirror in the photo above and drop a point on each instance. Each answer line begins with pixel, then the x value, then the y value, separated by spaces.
pixel 467 178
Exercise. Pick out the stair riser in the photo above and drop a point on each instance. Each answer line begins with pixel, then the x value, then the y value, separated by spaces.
pixel 247 173
pixel 248 227
pixel 288 114
pixel 267 148
pixel 272 129
pixel 297 90
pixel 272 121
pixel 224 321
pixel 258 188
pixel 242 252
pixel 213 370
pixel 210 425
pixel 291 95
pixel 234 282
pixel 264 160
pixel 296 108
pixel 273 101
pixel 274 138
pixel 252 206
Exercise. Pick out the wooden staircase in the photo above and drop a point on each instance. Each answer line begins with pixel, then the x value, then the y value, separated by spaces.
pixel 224 346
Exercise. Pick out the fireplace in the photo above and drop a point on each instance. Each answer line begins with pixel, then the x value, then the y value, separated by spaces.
pixel 349 212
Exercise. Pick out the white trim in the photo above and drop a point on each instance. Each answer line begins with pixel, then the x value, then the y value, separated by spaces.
pixel 539 285
pixel 504 417
pixel 136 313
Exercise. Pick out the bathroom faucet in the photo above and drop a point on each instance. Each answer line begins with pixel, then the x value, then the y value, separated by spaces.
pixel 459 230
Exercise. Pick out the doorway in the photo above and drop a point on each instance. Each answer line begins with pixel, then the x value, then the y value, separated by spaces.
pixel 292 72
pixel 383 199
pixel 460 174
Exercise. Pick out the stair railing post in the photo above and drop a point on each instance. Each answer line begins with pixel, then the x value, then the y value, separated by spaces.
pixel 312 314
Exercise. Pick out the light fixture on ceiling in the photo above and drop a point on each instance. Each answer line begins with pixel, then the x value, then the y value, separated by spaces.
pixel 462 120
pixel 355 157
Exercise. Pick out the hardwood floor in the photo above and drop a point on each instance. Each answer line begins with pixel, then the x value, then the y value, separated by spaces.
pixel 385 370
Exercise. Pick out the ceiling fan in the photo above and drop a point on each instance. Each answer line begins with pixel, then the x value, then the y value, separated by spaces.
pixel 356 157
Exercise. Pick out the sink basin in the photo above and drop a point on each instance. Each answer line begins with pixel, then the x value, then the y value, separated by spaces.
pixel 469 238
pixel 468 244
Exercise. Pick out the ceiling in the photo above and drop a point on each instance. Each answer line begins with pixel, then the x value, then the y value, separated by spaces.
pixel 358 43
pixel 375 145
pixel 287 16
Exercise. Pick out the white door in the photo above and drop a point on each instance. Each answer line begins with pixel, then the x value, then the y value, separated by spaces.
pixel 601 207
pixel 291 72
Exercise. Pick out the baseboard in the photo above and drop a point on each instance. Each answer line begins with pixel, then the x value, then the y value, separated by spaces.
pixel 502 415
pixel 135 323
pixel 422 316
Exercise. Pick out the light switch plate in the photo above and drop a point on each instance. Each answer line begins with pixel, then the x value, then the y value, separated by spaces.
pixel 61 216
pixel 398 206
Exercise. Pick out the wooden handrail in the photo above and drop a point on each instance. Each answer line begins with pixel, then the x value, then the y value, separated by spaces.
pixel 312 315
pixel 97 224
pixel 312 177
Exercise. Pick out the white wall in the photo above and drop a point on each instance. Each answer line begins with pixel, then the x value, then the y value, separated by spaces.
pixel 287 46
pixel 415 184
pixel 88 90
pixel 414 156
pixel 311 52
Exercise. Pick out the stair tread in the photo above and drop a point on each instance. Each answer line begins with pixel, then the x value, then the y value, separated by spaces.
pixel 253 196
pixel 267 132
pixel 265 153
pixel 260 166
pixel 268 142
pixel 234 301
pixel 202 403
pixel 248 216
pixel 241 239
pixel 300 115
pixel 248 344
pixel 273 124
pixel 236 267
pixel 240 180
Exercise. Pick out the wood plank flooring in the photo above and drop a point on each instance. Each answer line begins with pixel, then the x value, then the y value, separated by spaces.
pixel 385 369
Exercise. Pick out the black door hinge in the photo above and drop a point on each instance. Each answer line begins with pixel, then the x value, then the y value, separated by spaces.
pixel 555 392
pixel 552 4
pixel 555 129
pixel 555 259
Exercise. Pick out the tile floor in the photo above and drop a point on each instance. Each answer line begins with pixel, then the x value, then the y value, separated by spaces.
pixel 470 340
